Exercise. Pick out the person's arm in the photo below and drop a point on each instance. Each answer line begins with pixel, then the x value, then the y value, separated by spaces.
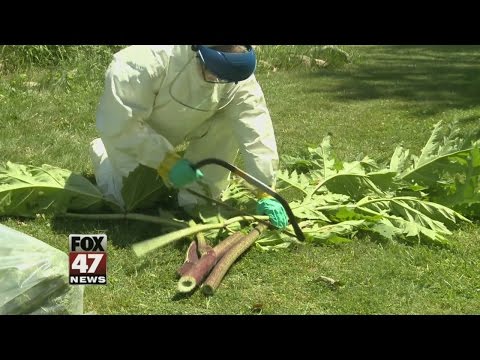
pixel 131 83
pixel 254 131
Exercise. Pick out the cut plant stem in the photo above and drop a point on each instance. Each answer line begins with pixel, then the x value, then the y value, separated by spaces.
pixel 223 246
pixel 190 259
pixel 219 271
pixel 143 247
pixel 203 247
pixel 127 216
pixel 195 273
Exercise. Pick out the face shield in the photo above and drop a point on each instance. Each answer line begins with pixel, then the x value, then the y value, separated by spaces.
pixel 195 87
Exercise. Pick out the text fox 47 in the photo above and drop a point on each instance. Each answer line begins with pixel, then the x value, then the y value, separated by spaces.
pixel 87 259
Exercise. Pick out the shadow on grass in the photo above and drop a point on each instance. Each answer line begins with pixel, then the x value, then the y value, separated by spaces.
pixel 143 192
pixel 437 77
pixel 182 296
pixel 122 233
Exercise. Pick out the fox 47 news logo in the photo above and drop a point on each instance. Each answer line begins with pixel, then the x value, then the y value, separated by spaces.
pixel 87 259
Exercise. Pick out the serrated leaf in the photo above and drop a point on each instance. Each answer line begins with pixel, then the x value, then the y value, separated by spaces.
pixel 347 178
pixel 318 233
pixel 240 196
pixel 354 185
pixel 308 209
pixel 299 164
pixel 237 190
pixel 444 152
pixel 386 229
pixel 369 164
pixel 415 217
pixel 462 193
pixel 298 181
pixel 349 213
pixel 274 240
pixel 330 198
pixel 313 208
pixel 400 160
pixel 440 145
pixel 324 158
pixel 384 180
pixel 421 233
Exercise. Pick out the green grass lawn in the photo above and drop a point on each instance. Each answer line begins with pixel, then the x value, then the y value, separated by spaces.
pixel 387 96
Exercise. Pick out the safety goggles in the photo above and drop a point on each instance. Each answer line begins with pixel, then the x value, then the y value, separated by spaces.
pixel 189 89
pixel 209 76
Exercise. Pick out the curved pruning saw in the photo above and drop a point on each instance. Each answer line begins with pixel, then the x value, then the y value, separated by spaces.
pixel 257 183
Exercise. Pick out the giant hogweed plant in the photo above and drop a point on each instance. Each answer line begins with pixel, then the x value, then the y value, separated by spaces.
pixel 411 198
pixel 414 198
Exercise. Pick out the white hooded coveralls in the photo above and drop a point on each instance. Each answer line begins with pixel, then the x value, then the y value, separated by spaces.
pixel 139 121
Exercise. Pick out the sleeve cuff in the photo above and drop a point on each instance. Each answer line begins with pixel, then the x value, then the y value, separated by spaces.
pixel 262 195
pixel 166 165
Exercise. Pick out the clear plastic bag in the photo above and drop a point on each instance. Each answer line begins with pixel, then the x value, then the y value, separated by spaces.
pixel 34 277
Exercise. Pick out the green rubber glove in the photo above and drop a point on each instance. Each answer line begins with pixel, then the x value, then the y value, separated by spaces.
pixel 182 174
pixel 275 211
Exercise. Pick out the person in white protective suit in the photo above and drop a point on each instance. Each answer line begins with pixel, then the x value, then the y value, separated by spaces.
pixel 157 97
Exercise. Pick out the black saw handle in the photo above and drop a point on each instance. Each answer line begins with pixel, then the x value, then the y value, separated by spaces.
pixel 257 183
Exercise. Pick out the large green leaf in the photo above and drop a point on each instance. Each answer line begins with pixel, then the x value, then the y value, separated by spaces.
pixel 356 186
pixel 331 233
pixel 324 159
pixel 348 178
pixel 313 208
pixel 308 209
pixel 386 229
pixel 414 217
pixel 301 165
pixel 275 240
pixel 444 153
pixel 377 190
pixel 299 181
pixel 142 189
pixel 29 190
pixel 400 160
pixel 238 191
pixel 448 168
pixel 462 192
pixel 384 180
